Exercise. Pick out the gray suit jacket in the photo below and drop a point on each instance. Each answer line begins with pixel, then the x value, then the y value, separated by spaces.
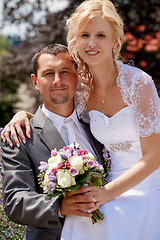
pixel 24 201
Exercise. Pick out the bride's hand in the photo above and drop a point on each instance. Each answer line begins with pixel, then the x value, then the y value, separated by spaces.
pixel 100 196
pixel 20 119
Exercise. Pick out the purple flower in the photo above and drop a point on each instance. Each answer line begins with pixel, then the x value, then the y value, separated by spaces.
pixel 51 176
pixel 107 159
pixel 63 156
pixel 43 166
pixel 51 186
pixel 73 171
pixel 73 152
pixel 109 163
pixel 45 189
pixel 84 160
pixel 68 153
pixel 106 155
pixel 90 164
pixel 96 164
pixel 82 172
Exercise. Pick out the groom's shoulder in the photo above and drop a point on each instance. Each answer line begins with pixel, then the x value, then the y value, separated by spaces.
pixel 39 118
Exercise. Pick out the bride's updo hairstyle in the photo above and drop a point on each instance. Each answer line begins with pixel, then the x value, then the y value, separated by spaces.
pixel 86 11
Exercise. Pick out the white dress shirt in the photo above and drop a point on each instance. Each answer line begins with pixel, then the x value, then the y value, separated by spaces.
pixel 79 132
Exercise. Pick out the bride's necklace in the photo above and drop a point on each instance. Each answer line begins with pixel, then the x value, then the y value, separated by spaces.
pixel 113 81
pixel 111 84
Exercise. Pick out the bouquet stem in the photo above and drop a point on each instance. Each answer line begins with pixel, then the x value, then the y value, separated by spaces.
pixel 97 216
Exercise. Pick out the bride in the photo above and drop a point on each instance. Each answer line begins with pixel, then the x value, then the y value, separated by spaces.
pixel 123 108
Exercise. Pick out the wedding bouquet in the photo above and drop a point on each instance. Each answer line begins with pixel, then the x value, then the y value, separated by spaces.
pixel 67 170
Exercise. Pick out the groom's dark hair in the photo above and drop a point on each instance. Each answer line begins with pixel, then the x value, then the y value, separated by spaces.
pixel 50 49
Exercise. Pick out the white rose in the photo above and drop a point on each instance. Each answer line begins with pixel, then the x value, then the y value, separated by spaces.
pixel 89 155
pixel 77 162
pixel 64 178
pixel 54 161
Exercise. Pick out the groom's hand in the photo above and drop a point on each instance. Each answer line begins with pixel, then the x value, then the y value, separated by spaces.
pixel 78 203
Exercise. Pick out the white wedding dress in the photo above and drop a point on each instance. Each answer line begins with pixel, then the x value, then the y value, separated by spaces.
pixel 134 215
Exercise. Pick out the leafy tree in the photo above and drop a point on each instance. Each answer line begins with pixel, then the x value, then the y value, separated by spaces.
pixel 4 44
pixel 142 34
pixel 8 84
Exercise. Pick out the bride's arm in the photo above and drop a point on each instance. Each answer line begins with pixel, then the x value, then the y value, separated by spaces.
pixel 20 119
pixel 147 108
pixel 149 162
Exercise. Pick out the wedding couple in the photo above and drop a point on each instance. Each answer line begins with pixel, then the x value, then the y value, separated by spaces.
pixel 121 105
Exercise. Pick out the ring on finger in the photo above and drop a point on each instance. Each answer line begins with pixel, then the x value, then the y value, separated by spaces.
pixel 94 200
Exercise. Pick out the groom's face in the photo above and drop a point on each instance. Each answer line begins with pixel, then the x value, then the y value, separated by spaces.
pixel 56 79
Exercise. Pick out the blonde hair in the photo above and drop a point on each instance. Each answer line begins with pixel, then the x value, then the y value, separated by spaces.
pixel 86 11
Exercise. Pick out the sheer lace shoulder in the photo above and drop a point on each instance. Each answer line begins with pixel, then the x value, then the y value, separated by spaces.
pixel 80 106
pixel 138 90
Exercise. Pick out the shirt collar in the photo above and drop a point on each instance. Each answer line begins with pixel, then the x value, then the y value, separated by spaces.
pixel 74 117
pixel 58 120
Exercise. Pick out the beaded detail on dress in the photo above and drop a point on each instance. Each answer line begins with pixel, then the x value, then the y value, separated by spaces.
pixel 120 146
pixel 138 90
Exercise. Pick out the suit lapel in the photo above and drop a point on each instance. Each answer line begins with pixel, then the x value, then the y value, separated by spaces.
pixel 97 146
pixel 47 131
pixel 51 137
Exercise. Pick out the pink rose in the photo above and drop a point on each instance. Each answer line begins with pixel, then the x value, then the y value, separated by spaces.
pixel 73 171
pixel 54 171
pixel 66 148
pixel 60 165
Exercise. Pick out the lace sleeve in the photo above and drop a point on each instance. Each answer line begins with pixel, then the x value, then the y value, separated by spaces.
pixel 80 106
pixel 146 104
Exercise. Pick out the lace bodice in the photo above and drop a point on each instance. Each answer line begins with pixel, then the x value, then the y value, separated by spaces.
pixel 138 91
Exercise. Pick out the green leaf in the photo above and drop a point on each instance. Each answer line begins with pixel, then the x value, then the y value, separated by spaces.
pixel 97 183
pixel 82 178
pixel 73 188
pixel 48 197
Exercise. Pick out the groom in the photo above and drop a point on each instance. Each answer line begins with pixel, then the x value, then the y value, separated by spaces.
pixel 55 78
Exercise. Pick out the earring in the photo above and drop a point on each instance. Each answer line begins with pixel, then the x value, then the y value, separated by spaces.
pixel 114 50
